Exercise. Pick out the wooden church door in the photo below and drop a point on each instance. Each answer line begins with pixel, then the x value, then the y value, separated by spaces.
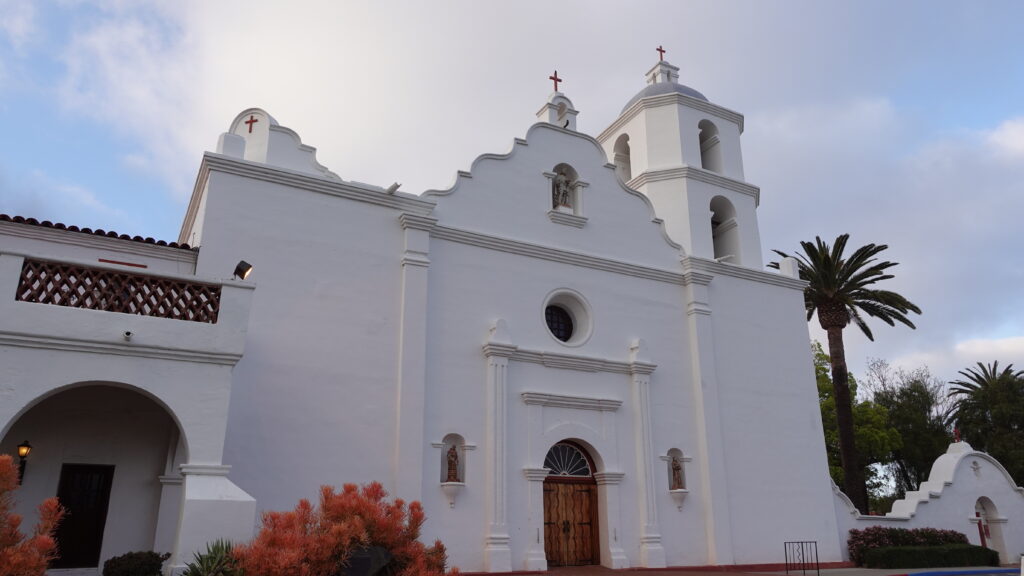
pixel 84 491
pixel 570 508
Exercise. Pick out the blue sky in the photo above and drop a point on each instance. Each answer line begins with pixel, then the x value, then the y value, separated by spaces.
pixel 900 123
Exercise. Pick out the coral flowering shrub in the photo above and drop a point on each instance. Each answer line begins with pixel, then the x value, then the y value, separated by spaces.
pixel 21 555
pixel 319 541
pixel 883 537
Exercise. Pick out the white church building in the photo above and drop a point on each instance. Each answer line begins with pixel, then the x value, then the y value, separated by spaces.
pixel 573 355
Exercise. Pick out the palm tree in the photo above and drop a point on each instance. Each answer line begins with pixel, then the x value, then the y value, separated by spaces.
pixel 989 406
pixel 838 289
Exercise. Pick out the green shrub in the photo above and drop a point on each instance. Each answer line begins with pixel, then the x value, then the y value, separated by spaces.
pixel 930 556
pixel 216 561
pixel 135 564
pixel 884 537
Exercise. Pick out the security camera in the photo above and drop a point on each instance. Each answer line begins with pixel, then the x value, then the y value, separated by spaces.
pixel 127 335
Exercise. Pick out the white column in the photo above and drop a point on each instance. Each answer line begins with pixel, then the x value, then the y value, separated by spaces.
pixel 407 466
pixel 652 555
pixel 536 560
pixel 498 349
pixel 710 445
pixel 212 507
pixel 612 554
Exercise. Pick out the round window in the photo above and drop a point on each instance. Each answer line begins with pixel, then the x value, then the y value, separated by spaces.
pixel 567 317
pixel 559 322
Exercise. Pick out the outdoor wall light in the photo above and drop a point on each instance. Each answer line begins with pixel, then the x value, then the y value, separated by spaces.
pixel 24 449
pixel 243 270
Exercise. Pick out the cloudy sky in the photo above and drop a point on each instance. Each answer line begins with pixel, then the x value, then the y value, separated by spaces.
pixel 900 123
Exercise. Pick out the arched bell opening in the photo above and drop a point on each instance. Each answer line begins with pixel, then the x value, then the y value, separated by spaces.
pixel 710 147
pixel 571 531
pixel 99 448
pixel 725 233
pixel 622 160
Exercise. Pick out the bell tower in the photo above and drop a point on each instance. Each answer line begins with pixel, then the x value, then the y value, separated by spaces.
pixel 683 152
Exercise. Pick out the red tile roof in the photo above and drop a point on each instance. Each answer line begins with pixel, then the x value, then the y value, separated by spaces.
pixel 97 232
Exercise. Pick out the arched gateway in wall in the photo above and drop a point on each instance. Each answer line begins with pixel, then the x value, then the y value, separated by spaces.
pixel 571 535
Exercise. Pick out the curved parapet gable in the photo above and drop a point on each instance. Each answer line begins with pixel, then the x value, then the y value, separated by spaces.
pixel 959 480
pixel 511 195
pixel 256 136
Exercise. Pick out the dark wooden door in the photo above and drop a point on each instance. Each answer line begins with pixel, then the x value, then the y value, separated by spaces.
pixel 84 491
pixel 570 522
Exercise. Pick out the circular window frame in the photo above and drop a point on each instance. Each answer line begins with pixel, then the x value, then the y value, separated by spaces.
pixel 579 310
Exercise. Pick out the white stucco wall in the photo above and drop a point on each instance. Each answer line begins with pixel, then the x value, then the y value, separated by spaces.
pixel 957 480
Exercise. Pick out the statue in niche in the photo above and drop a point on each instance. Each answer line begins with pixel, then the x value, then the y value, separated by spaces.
pixel 453 465
pixel 677 474
pixel 561 189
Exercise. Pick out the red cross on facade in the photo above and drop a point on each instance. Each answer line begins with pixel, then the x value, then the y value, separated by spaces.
pixel 555 79
pixel 661 53
pixel 252 120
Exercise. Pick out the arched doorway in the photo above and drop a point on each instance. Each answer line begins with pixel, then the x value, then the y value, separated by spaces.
pixel 102 449
pixel 570 507
pixel 990 530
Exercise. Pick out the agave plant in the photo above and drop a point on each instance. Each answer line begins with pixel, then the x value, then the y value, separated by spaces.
pixel 216 561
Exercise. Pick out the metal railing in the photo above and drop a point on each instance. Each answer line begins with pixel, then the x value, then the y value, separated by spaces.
pixel 802 557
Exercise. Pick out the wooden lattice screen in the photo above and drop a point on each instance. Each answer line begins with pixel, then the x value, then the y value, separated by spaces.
pixel 101 289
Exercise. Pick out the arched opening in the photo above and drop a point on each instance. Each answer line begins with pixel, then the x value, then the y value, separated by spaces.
pixel 565 189
pixel 990 526
pixel 571 535
pixel 710 147
pixel 725 233
pixel 623 166
pixel 100 448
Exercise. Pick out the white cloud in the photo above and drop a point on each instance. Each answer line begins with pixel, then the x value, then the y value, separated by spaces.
pixel 1007 139
pixel 17 22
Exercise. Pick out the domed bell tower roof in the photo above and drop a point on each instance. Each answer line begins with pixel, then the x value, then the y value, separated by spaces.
pixel 663 78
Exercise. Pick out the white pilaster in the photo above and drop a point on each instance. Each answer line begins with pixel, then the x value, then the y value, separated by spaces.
pixel 536 560
pixel 497 350
pixel 612 554
pixel 710 447
pixel 407 466
pixel 652 555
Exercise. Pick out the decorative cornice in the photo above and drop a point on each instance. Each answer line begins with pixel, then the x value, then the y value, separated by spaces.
pixel 724 227
pixel 700 175
pixel 415 259
pixel 581 363
pixel 536 474
pixel 416 222
pixel 500 350
pixel 72 345
pixel 609 478
pixel 694 264
pixel 521 248
pixel 170 479
pixel 277 175
pixel 205 469
pixel 673 98
pixel 576 402
pixel 567 219
pixel 58 236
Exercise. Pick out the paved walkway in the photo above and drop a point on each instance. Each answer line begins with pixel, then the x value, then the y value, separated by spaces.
pixel 601 571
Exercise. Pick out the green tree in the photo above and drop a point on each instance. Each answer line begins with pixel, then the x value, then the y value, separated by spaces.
pixel 876 439
pixel 918 410
pixel 989 411
pixel 839 290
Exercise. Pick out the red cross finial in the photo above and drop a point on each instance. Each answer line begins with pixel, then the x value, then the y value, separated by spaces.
pixel 661 53
pixel 555 79
pixel 252 120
